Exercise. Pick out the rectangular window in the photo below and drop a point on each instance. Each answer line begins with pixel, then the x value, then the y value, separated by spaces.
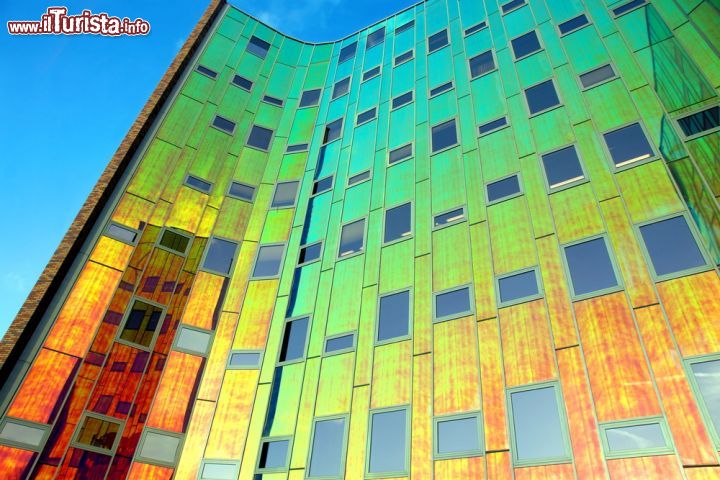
pixel 268 261
pixel 537 426
pixel 327 453
pixel 388 442
pixel 700 122
pixel 159 447
pixel 512 5
pixel 198 183
pixel 451 217
pixel 347 52
pixel 294 340
pixel 518 287
pixel 322 185
pixel 444 136
pixel 482 64
pixel 366 116
pixel 273 101
pixel 242 82
pixel 244 359
pixel 260 138
pixel 298 147
pixel 372 73
pixel 628 145
pixel 437 41
pixel 705 377
pixel 206 71
pixel 310 98
pixel 525 45
pixel 309 253
pixel 98 433
pixel 573 24
pixel 285 195
pixel 219 470
pixel 174 241
pixel 635 438
pixel 332 131
pixel 222 123
pixel 403 99
pixel 398 223
pixel 274 455
pixel 340 343
pixel 405 26
pixel 400 153
pixel 489 127
pixel 671 247
pixel 341 87
pixel 193 340
pixel 628 7
pixel 142 322
pixel 503 189
pixel 121 233
pixel 220 256
pixel 597 76
pixel 475 28
pixel 375 38
pixel 241 191
pixel 352 238
pixel 404 57
pixel 445 87
pixel 562 167
pixel 541 97
pixel 591 270
pixel 458 436
pixel 258 47
pixel 393 316
pixel 360 177
pixel 453 303
pixel 23 434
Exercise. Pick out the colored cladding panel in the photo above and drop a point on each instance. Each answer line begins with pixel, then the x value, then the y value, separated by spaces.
pixel 664 466
pixel 232 415
pixel 15 463
pixel 422 436
pixel 473 467
pixel 392 375
pixel 557 293
pixel 202 304
pixel 493 386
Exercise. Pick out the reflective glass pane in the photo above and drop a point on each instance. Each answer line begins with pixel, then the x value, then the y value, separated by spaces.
pixel 224 124
pixel 220 256
pixel 121 233
pixel 398 222
pixel 206 71
pixel 394 316
pixel 141 324
pixel 242 191
pixel 98 433
pixel 537 425
pixel 260 137
pixel 21 433
pixel 401 100
pixel 635 437
pixel 198 183
pixel 332 131
pixel 244 359
pixel 387 442
pixel 159 447
pixel 242 82
pixel 590 267
pixel 671 246
pixel 310 98
pixel 341 88
pixel 269 260
pixel 518 286
pixel 573 24
pixel 310 253
pixel 347 52
pixel 458 435
pixel 444 135
pixel 258 46
pixel 541 97
pixel 219 471
pixel 482 64
pixel 174 241
pixel 526 44
pixel 400 153
pixel 494 125
pixel 273 454
pixel 455 302
pixel 293 345
pixel 285 195
pixel 562 167
pixel 701 121
pixel 596 76
pixel 503 188
pixel 707 377
pixel 352 238
pixel 193 340
pixel 449 217
pixel 628 145
pixel 375 38
pixel 437 41
pixel 339 343
pixel 326 456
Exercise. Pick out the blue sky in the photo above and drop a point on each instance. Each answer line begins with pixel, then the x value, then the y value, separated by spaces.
pixel 69 100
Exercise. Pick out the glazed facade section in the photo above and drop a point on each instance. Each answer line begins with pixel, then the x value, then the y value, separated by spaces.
pixel 475 240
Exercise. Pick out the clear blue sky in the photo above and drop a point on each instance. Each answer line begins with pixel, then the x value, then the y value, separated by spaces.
pixel 67 102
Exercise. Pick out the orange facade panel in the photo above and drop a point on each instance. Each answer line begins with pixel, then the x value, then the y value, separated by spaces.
pixel 170 409
pixel 254 323
pixel 14 463
pixel 453 469
pixel 665 467
pixel 493 386
pixel 557 294
pixel 217 360
pixel 194 444
pixel 203 300
pixel 143 471
pixel 421 465
pixel 546 472
pixel 499 466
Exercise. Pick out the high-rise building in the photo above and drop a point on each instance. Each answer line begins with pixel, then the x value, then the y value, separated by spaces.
pixel 477 239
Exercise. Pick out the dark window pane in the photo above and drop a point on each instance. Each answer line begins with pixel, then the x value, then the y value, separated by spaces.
pixel 352 238
pixel 403 99
pixel 339 343
pixel 198 183
pixel 242 191
pixel 341 88
pixel 449 217
pixel 223 124
pixel 285 194
pixel 494 125
pixel 596 76
pixel 503 188
pixel 332 131
pixel 437 41
pixel 293 345
pixel 628 145
pixel 590 267
pixel 174 241
pixel 258 46
pixel 628 6
pixel 141 324
pixel 405 26
pixel 458 435
pixel 536 421
pixel 206 71
pixel 269 261
pixel 310 98
pixel 635 437
pixel 121 233
pixel 475 28
pixel 394 316
pixel 309 253
pixel 398 222
pixel 260 137
pixel 299 147
pixel 366 116
pixel 482 64
pixel 455 302
pixel 322 185
pixel 444 135
pixel 404 57
pixel 562 167
pixel 359 177
pixel 98 433
pixel 326 456
pixel 273 101
pixel 441 89
pixel 671 246
pixel 347 52
pixel 400 153
pixel 245 359
pixel 373 72
pixel 387 442
pixel 573 24
pixel 220 256
pixel 707 377
pixel 242 82
pixel 541 97
pixel 274 453
pixel 526 44
pixel 375 38
pixel 518 286
pixel 701 121
pixel 512 5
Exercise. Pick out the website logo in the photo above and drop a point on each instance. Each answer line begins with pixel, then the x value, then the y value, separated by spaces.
pixel 57 22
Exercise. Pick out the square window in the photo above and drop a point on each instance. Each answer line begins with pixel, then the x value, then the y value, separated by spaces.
pixel 258 47
pixel 475 28
pixel 323 185
pixel 445 87
pixel 503 189
pixel 482 64
pixel 220 256
pixel 141 324
pixel 597 76
pixel 193 340
pixel 541 97
pixel 562 167
pixel 705 378
pixel 206 71
pixel 341 87
pixel 525 45
pixel 23 434
pixel 671 246
pixel 628 7
pixel 393 316
pixel 352 238
pixel 259 137
pixel 405 26
pixel 453 216
pixel 628 145
pixel 273 101
pixel 198 183
pixel 444 136
pixel 700 122
pixel 360 177
pixel 372 73
pixel 98 433
pixel 398 223
pixel 274 455
pixel 512 5
pixel 309 253
pixel 366 116
pixel 268 261
pixel 451 304
pixel 332 131
pixel 375 38
pixel 403 99
pixel 437 41
pixel 486 128
pixel 244 359
pixel 388 442
pixel 294 340
pixel 404 57
pixel 242 191
pixel 458 436
pixel 222 123
pixel 327 453
pixel 219 470
pixel 121 233
pixel 347 52
pixel 400 153
pixel 591 269
pixel 285 194
pixel 634 438
pixel 310 98
pixel 174 241
pixel 158 447
pixel 242 82
pixel 518 287
pixel 340 343
pixel 573 24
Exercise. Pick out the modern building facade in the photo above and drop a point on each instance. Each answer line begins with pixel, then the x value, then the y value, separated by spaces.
pixel 478 239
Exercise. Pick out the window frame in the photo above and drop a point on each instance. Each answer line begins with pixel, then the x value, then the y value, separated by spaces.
pixel 350 177
pixel 539 39
pixel 396 162
pixel 392 100
pixel 313 104
pixel 186 184
pixel 46 430
pixel 200 65
pixel 249 42
pixel 124 320
pixel 454 222
pixel 374 117
pixel 477 415
pixel 647 452
pixel 274 438
pixel 624 165
pixel 176 232
pixel 412 223
pixel 411 313
pixel 340 62
pixel 275 187
pixel 681 132
pixel 430 93
pixel 254 188
pixel 560 34
pixel 458 137
pixel 408 421
pixel 212 125
pixel 152 461
pixel 613 262
pixel 560 103
pixel 469 68
pixel 213 461
pixel 232 82
pixel 364 219
pixel 352 348
pixel 317 180
pixel 229 366
pixel 270 142
pixel 343 456
pixel 456 315
pixel 404 27
pixel 482 134
pixel 270 102
pixel 384 36
pixel 397 63
pixel 529 298
pixel 305 245
pixel 302 358
pixel 306 147
pixel 697 394
pixel 516 7
pixel 583 88
pixel 347 92
pixel 89 448
pixel 185 326
pixel 201 266
pixel 519 193
pixel 618 15
pixel 379 72
pixel 340 135
pixel 567 183
pixel 257 255
pixel 138 233
pixel 480 29
pixel 427 41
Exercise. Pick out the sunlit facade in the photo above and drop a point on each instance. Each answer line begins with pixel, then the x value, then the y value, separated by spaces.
pixel 477 239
